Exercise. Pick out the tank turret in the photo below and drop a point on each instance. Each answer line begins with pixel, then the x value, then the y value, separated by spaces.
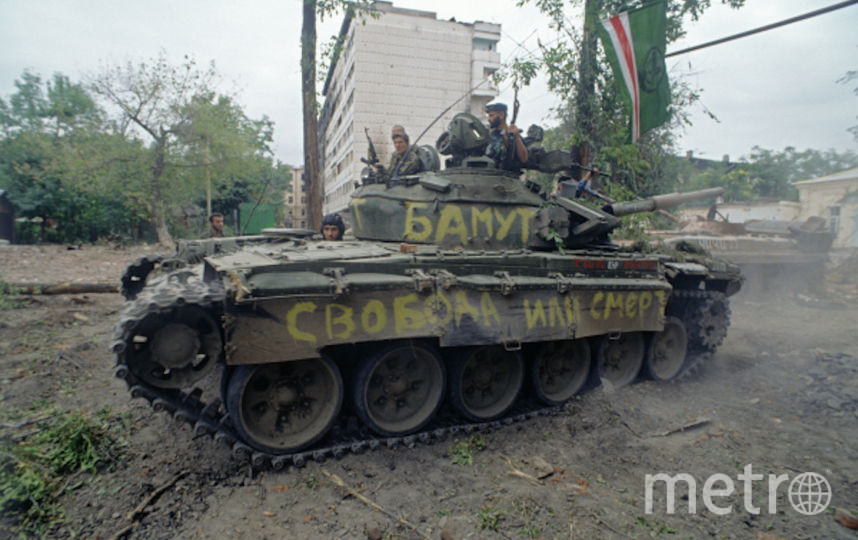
pixel 473 204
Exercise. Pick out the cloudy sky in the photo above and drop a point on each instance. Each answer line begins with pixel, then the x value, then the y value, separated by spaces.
pixel 774 89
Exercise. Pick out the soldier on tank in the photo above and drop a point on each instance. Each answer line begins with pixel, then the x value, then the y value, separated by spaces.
pixel 333 227
pixel 506 146
pixel 410 162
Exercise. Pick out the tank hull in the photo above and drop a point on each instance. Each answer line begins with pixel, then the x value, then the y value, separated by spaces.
pixel 327 333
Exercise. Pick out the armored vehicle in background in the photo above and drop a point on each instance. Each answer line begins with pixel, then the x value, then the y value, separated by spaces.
pixel 772 254
pixel 468 300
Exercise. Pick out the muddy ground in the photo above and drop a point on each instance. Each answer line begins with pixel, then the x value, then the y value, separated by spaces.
pixel 780 395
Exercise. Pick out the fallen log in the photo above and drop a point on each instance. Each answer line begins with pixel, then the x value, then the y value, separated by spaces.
pixel 66 287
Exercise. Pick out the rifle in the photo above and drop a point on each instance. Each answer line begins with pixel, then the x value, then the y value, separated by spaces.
pixel 510 151
pixel 372 157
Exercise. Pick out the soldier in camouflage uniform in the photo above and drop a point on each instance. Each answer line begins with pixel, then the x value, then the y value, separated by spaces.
pixel 503 136
pixel 411 164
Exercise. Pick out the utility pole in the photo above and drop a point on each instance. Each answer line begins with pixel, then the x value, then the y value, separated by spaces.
pixel 208 183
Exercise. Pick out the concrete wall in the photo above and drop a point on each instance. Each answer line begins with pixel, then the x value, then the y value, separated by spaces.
pixel 837 202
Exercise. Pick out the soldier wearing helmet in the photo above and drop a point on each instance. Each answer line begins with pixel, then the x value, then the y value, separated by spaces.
pixel 333 227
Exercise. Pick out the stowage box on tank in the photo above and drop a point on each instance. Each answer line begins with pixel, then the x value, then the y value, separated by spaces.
pixel 467 300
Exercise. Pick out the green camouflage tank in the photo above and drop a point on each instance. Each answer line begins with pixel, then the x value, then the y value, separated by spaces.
pixel 467 300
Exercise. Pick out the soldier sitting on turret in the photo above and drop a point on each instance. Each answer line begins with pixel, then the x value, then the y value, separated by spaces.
pixel 410 163
pixel 506 147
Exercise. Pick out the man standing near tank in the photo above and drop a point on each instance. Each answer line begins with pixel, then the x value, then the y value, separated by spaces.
pixel 506 147
pixel 215 226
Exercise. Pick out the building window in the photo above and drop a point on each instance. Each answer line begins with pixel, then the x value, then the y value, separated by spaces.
pixel 834 219
pixel 481 44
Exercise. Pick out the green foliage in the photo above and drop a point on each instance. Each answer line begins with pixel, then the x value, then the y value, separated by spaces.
pixel 127 165
pixel 32 472
pixel 462 452
pixel 764 174
pixel 311 482
pixel 489 518
pixel 654 528
pixel 75 442
pixel 592 114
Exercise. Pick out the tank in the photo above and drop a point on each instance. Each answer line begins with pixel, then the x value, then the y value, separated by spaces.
pixel 467 300
pixel 774 256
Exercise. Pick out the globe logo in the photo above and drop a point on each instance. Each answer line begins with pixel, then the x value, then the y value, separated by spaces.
pixel 809 493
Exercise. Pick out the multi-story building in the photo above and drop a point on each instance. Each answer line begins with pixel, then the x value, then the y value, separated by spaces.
pixel 296 200
pixel 404 67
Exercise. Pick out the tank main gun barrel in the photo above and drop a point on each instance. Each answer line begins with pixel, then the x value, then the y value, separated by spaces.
pixel 661 202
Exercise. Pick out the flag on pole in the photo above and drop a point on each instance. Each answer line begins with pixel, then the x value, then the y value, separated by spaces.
pixel 634 42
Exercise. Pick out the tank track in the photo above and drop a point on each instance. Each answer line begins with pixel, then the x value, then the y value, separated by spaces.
pixel 706 315
pixel 207 415
pixel 134 278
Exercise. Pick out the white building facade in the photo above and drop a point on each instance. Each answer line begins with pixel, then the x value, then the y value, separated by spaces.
pixel 403 67
pixel 835 198
pixel 296 200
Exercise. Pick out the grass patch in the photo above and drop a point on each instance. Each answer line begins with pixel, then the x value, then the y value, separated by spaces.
pixel 655 528
pixel 462 452
pixel 489 518
pixel 34 471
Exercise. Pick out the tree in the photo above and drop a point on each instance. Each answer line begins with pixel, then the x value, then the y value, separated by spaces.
pixel 311 124
pixel 42 127
pixel 192 135
pixel 152 102
pixel 216 134
pixel 312 160
pixel 592 115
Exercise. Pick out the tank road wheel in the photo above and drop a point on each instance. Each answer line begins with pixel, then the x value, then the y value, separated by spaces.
pixel 560 370
pixel 399 388
pixel 283 407
pixel 667 349
pixel 620 360
pixel 176 350
pixel 485 381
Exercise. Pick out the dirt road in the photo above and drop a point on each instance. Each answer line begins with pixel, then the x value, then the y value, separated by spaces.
pixel 780 397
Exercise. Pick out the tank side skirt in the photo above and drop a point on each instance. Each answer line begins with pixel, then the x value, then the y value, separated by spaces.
pixel 475 310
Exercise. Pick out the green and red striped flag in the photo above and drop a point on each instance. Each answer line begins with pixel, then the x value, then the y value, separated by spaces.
pixel 634 42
